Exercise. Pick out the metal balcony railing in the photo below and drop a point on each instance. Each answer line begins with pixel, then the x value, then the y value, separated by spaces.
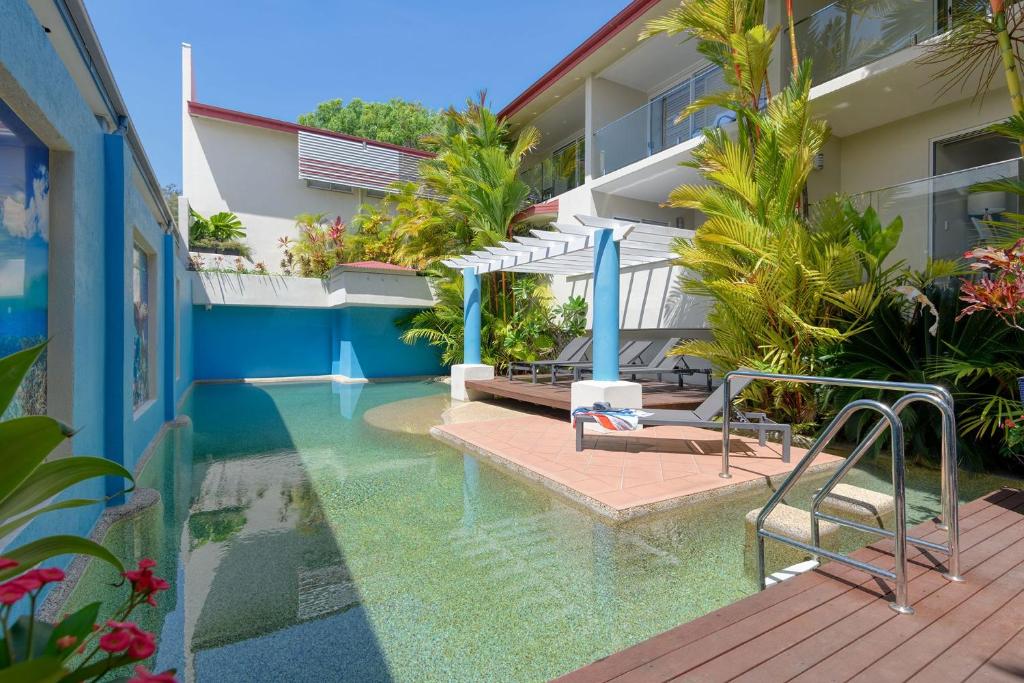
pixel 556 173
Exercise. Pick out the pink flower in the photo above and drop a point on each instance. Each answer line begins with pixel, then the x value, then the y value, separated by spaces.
pixel 143 675
pixel 143 646
pixel 6 563
pixel 117 640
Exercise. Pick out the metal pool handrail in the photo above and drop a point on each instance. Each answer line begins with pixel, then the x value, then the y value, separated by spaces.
pixel 928 393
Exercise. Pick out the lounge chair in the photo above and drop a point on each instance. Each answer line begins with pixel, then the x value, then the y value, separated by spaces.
pixel 575 350
pixel 629 354
pixel 704 415
pixel 665 364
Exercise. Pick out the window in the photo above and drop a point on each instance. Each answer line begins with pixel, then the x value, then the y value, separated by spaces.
pixel 24 253
pixel 330 187
pixel 666 129
pixel 142 351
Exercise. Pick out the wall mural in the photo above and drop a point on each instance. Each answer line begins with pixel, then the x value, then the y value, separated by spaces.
pixel 24 253
pixel 140 301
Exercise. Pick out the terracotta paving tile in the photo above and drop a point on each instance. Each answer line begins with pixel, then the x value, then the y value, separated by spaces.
pixel 623 471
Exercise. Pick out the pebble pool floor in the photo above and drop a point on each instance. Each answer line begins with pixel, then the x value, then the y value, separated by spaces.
pixel 304 544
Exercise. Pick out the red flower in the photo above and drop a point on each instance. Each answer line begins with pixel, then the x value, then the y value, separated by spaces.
pixel 11 592
pixel 143 581
pixel 128 636
pixel 50 575
pixel 6 563
pixel 143 675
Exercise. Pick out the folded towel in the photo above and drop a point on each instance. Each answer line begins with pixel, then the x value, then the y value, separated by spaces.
pixel 621 420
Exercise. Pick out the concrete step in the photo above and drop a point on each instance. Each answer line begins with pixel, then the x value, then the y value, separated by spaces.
pixel 860 505
pixel 790 522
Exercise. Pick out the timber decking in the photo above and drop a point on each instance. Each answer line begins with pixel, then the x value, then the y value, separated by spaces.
pixel 834 624
pixel 656 395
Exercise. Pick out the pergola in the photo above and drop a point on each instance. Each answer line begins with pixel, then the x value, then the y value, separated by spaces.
pixel 601 246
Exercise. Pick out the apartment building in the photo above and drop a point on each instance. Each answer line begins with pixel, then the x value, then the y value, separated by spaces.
pixel 268 171
pixel 612 144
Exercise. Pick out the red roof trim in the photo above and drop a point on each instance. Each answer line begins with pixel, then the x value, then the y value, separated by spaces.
pixel 548 208
pixel 381 265
pixel 617 23
pixel 210 111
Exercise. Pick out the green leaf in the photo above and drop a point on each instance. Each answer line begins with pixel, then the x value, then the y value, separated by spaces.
pixel 50 478
pixel 31 554
pixel 78 625
pixel 13 369
pixel 42 670
pixel 95 670
pixel 62 505
pixel 19 638
pixel 24 445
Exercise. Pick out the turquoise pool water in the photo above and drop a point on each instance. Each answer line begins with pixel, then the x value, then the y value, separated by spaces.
pixel 305 544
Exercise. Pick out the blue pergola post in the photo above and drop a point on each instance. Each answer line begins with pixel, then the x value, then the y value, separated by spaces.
pixel 606 306
pixel 470 317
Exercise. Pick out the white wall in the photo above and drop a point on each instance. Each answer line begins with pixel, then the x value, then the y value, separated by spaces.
pixel 254 173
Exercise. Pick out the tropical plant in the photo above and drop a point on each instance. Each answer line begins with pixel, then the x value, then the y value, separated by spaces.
pixel 319 248
pixel 984 39
pixel 533 331
pixel 221 232
pixel 397 121
pixel 376 237
pixel 31 486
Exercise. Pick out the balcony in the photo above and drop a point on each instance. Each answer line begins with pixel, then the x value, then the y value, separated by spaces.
pixel 942 218
pixel 656 126
pixel 847 35
pixel 559 172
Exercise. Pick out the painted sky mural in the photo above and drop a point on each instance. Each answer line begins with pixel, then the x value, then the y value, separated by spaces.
pixel 24 251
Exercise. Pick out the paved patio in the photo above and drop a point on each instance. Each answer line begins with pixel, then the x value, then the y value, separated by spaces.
pixel 626 475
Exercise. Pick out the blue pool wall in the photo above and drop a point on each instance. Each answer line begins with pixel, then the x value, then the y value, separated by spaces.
pixel 250 342
pixel 99 205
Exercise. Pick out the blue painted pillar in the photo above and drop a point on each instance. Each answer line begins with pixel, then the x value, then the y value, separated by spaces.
pixel 117 408
pixel 170 307
pixel 606 306
pixel 470 317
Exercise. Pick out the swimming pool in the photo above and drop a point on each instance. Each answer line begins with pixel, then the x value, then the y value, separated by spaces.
pixel 304 543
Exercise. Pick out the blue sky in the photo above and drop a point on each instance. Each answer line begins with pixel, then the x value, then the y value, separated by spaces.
pixel 279 58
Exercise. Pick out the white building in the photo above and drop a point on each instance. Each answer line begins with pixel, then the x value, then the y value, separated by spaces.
pixel 269 171
pixel 611 146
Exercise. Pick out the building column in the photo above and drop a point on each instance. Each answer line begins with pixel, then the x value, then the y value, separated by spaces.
pixel 606 386
pixel 117 408
pixel 472 367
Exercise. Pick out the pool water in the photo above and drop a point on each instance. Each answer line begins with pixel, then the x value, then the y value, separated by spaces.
pixel 304 544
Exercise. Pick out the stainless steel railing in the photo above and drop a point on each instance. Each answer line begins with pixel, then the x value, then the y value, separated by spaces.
pixel 926 393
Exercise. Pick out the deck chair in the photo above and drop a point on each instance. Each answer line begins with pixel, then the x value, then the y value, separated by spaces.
pixel 629 354
pixel 664 364
pixel 704 415
pixel 575 350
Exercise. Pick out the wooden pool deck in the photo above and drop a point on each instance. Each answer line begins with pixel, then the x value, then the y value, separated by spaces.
pixel 834 624
pixel 543 393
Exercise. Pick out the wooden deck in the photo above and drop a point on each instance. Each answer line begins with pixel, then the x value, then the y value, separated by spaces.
pixel 834 624
pixel 544 393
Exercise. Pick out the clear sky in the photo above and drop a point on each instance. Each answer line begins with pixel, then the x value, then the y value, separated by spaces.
pixel 279 58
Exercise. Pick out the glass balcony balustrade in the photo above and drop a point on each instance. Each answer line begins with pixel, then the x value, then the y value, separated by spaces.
pixel 849 34
pixel 558 172
pixel 656 126
pixel 945 215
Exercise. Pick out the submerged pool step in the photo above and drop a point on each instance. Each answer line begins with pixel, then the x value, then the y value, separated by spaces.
pixel 860 505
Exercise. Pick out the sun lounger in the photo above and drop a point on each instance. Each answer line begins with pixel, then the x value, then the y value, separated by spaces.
pixel 665 364
pixel 575 350
pixel 629 353
pixel 704 415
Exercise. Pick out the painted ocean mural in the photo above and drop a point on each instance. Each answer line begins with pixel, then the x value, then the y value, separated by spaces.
pixel 24 252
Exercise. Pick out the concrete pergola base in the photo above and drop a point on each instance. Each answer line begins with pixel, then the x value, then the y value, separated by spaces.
pixel 619 394
pixel 463 372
